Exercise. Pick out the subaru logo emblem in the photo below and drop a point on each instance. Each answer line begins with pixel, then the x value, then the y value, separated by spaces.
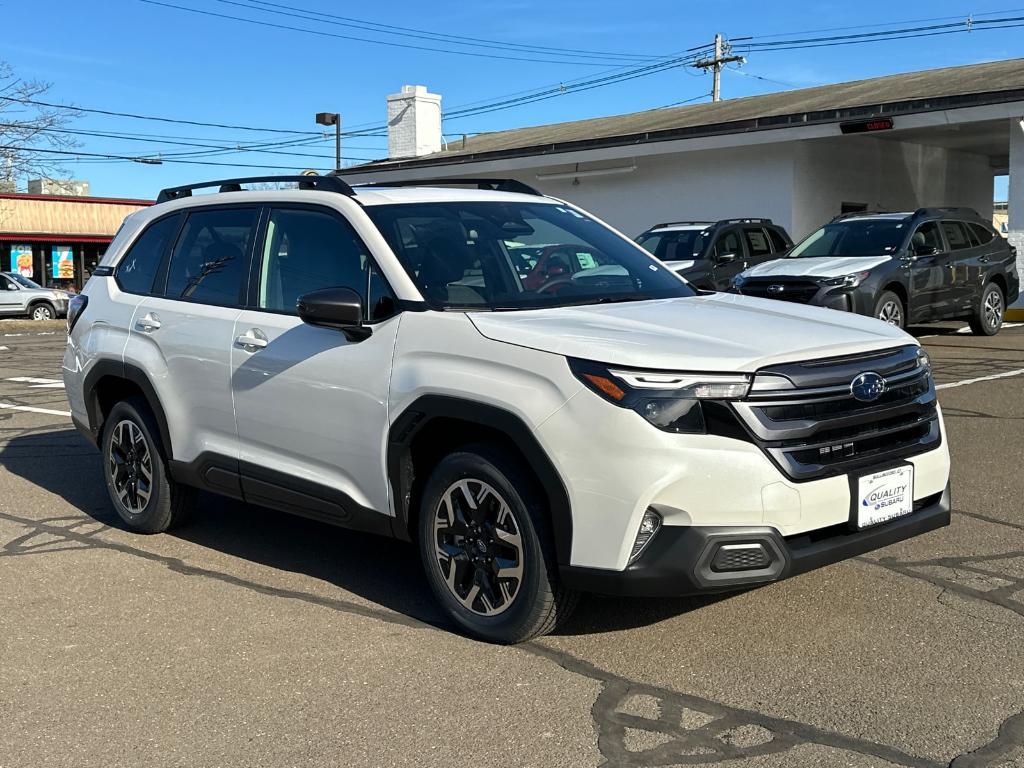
pixel 776 288
pixel 868 387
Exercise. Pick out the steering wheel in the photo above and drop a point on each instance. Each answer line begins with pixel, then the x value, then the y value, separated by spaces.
pixel 555 284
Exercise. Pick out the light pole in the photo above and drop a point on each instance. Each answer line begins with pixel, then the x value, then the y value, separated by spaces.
pixel 332 118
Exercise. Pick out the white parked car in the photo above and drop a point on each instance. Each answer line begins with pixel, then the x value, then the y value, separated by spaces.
pixel 370 357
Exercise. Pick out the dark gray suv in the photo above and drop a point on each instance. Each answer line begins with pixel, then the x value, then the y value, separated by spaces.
pixel 709 254
pixel 929 265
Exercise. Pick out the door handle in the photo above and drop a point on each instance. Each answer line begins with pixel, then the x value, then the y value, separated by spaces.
pixel 252 340
pixel 149 322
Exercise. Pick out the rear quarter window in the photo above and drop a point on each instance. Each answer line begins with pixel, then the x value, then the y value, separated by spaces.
pixel 982 233
pixel 137 269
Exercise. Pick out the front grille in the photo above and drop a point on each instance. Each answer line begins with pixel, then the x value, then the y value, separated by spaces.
pixel 800 291
pixel 814 427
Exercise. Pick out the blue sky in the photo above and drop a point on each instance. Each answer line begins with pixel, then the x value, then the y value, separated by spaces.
pixel 139 57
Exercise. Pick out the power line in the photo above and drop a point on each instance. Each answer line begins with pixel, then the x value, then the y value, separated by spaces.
pixel 335 35
pixel 153 161
pixel 391 29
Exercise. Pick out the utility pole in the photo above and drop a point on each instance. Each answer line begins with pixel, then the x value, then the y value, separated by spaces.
pixel 332 118
pixel 723 55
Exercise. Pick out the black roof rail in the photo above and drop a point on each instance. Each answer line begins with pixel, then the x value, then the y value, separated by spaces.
pixel 322 183
pixel 940 210
pixel 745 221
pixel 495 185
pixel 856 214
pixel 684 224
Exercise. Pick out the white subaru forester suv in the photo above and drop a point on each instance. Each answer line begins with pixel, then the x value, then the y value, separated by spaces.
pixel 400 360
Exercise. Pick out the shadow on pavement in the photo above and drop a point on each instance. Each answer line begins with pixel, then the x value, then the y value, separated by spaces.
pixel 381 570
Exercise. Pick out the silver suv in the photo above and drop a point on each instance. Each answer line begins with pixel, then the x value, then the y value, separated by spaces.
pixel 20 297
pixel 373 357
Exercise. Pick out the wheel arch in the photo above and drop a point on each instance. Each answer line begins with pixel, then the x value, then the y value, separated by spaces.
pixel 110 381
pixel 434 425
pixel 33 303
pixel 999 279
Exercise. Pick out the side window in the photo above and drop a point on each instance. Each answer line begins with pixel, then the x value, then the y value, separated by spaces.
pixel 210 259
pixel 728 243
pixel 757 241
pixel 983 234
pixel 927 236
pixel 139 266
pixel 306 250
pixel 955 235
pixel 779 243
pixel 6 283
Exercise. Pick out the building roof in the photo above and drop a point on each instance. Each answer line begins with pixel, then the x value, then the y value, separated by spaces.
pixel 925 91
pixel 60 217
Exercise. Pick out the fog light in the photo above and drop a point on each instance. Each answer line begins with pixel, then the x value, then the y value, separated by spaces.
pixel 649 525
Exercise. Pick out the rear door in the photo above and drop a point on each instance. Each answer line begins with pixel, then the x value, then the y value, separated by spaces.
pixel 10 296
pixel 963 268
pixel 311 403
pixel 182 334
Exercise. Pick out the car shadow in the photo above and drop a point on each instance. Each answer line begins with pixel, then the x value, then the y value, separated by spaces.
pixel 383 571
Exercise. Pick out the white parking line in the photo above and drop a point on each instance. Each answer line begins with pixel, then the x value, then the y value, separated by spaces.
pixel 37 383
pixel 1004 375
pixel 4 349
pixel 30 409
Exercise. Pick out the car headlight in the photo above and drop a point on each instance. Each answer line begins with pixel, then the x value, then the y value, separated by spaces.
pixel 923 360
pixel 848 281
pixel 669 401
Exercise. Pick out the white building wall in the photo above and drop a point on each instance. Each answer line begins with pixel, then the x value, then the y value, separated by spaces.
pixel 884 175
pixel 751 181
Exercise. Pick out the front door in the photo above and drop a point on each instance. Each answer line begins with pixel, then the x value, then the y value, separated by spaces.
pixel 728 259
pixel 311 403
pixel 928 273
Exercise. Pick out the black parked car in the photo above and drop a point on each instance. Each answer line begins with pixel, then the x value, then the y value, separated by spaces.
pixel 932 264
pixel 709 254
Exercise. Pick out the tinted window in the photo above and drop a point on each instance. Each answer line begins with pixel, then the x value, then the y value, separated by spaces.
pixel 927 236
pixel 675 245
pixel 139 266
pixel 757 241
pixel 306 250
pixel 982 233
pixel 779 242
pixel 956 236
pixel 728 243
pixel 211 256
pixel 459 254
pixel 5 283
pixel 853 237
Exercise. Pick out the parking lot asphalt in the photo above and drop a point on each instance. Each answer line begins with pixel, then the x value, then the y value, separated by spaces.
pixel 251 638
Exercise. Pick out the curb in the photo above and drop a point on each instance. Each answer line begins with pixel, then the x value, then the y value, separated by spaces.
pixel 1014 315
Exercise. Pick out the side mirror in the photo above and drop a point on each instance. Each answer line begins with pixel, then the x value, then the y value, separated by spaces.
pixel 13 287
pixel 338 308
pixel 725 258
pixel 925 250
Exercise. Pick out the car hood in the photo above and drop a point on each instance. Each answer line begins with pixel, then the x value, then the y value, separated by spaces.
pixel 826 266
pixel 714 332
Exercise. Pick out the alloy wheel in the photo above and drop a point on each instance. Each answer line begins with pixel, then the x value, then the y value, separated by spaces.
pixel 992 309
pixel 479 547
pixel 131 466
pixel 891 313
pixel 42 313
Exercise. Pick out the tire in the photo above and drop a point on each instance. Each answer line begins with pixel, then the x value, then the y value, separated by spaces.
pixel 506 510
pixel 987 318
pixel 42 311
pixel 132 449
pixel 889 308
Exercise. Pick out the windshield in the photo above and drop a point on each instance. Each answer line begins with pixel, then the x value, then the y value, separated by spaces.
pixel 854 237
pixel 25 282
pixel 675 245
pixel 496 255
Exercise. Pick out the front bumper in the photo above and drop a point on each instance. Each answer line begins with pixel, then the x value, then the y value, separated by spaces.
pixel 679 560
pixel 858 299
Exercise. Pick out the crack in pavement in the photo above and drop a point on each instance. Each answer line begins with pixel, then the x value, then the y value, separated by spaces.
pixel 690 729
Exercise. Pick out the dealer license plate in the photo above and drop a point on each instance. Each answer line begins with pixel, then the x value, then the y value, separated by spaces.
pixel 885 495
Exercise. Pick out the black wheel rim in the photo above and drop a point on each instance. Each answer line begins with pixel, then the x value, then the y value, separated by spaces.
pixel 478 547
pixel 131 467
